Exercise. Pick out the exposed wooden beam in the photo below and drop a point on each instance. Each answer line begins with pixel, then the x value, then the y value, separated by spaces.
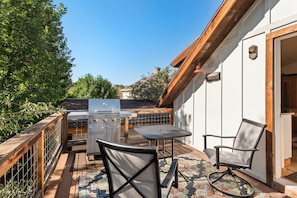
pixel 181 57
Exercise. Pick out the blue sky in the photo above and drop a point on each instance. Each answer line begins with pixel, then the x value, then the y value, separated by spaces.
pixel 124 40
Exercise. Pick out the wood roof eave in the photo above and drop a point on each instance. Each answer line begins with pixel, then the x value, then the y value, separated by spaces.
pixel 181 57
pixel 221 24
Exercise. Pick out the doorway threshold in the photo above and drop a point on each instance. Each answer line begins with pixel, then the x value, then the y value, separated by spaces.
pixel 286 186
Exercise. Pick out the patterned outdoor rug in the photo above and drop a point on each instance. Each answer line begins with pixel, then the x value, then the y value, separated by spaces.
pixel 195 169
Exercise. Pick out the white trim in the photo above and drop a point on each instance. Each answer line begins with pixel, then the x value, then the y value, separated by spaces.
pixel 277 108
pixel 279 164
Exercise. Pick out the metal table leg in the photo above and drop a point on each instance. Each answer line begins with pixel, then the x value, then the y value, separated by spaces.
pixel 172 156
pixel 172 153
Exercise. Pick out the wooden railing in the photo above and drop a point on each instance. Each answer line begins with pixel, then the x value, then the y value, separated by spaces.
pixel 144 117
pixel 28 159
pixel 152 116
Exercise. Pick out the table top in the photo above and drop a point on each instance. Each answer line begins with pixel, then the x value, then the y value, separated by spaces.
pixel 159 132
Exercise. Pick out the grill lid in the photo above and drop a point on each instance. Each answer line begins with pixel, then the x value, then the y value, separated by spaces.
pixel 104 106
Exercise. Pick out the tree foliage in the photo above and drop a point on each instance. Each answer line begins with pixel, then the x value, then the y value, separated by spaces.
pixel 151 87
pixel 12 122
pixel 90 87
pixel 118 88
pixel 35 62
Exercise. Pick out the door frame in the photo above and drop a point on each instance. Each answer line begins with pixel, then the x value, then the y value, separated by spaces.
pixel 271 120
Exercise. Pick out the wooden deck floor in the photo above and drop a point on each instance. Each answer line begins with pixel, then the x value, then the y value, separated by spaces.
pixel 64 182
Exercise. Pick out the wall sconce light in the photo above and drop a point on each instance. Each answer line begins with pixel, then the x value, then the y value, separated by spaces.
pixel 198 69
pixel 253 52
pixel 213 76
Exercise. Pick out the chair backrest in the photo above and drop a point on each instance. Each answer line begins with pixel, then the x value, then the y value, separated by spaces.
pixel 248 136
pixel 132 171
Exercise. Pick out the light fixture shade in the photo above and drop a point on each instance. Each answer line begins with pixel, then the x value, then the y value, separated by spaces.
pixel 213 76
pixel 253 52
pixel 198 69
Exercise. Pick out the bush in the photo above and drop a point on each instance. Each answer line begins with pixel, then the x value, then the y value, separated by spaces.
pixel 13 120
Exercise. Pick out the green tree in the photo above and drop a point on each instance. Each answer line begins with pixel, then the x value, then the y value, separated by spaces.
pixel 118 88
pixel 35 63
pixel 34 58
pixel 90 87
pixel 151 87
pixel 12 122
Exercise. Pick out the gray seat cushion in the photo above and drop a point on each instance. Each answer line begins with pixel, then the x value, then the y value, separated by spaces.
pixel 226 158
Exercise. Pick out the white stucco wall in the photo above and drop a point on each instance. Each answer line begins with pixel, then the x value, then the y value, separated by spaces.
pixel 218 107
pixel 253 99
pixel 199 108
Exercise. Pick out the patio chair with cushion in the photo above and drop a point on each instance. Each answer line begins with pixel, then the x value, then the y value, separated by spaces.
pixel 133 171
pixel 239 156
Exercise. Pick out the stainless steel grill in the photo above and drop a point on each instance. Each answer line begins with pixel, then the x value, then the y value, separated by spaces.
pixel 104 122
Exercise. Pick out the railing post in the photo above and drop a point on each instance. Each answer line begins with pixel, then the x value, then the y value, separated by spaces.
pixel 64 131
pixel 126 127
pixel 40 145
pixel 171 116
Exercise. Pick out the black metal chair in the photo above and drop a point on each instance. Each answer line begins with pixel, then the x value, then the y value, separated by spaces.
pixel 133 171
pixel 239 156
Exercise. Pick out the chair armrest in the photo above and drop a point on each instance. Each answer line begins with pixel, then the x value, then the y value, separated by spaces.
pixel 172 172
pixel 234 148
pixel 227 147
pixel 216 136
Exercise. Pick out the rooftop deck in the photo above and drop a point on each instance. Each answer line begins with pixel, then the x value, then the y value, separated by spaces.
pixel 72 164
